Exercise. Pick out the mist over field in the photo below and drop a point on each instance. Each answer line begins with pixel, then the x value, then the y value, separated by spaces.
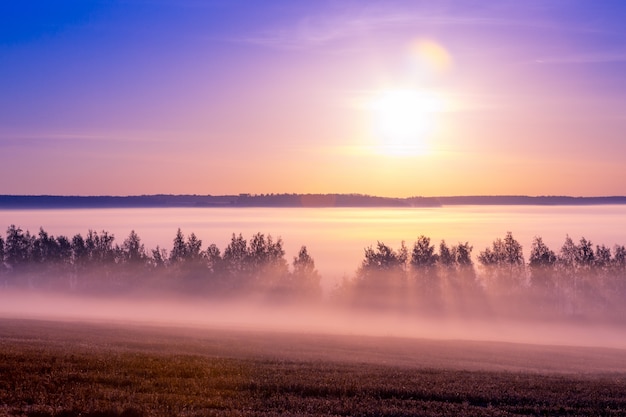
pixel 252 314
pixel 97 322
pixel 568 294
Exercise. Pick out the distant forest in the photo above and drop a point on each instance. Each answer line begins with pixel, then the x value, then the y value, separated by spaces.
pixel 577 280
pixel 286 200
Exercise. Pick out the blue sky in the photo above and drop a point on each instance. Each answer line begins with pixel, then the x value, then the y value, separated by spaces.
pixel 220 97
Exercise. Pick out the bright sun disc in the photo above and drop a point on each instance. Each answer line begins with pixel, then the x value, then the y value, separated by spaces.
pixel 403 120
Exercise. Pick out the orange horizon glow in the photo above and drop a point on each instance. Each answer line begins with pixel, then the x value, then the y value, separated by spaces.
pixel 391 100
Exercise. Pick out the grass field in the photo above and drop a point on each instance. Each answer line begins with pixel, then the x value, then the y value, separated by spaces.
pixel 100 369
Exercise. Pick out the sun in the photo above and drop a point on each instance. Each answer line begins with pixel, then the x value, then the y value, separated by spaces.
pixel 403 120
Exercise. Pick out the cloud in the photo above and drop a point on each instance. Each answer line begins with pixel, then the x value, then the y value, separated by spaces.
pixel 21 139
pixel 313 32
pixel 592 58
pixel 332 26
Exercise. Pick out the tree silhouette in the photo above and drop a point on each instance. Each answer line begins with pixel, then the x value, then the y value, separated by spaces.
pixel 64 247
pixel 580 279
pixel 305 278
pixel 423 257
pixel 159 258
pixel 266 260
pixel 383 259
pixel 80 253
pixel 504 265
pixel 542 267
pixel 460 291
pixel 133 251
pixel 618 277
pixel 179 248
pixel 465 276
pixel 100 247
pixel 45 248
pixel 236 260
pixel 18 248
pixel 193 248
pixel 381 278
pixel 424 272
pixel 215 267
pixel 2 266
pixel 602 271
pixel 213 259
pixel 567 263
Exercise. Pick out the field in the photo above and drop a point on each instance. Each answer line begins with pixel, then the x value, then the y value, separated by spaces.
pixel 114 369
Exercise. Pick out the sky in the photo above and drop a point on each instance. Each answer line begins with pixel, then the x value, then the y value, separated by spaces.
pixel 389 98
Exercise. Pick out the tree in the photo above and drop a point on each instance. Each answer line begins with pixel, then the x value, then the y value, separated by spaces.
pixel 193 248
pixel 100 248
pixel 619 257
pixel 462 255
pixel 305 278
pixel 567 267
pixel 465 276
pixel 602 262
pixel 446 262
pixel 179 248
pixel 45 249
pixel 460 292
pixel 257 253
pixel 261 263
pixel 504 264
pixel 618 272
pixel 2 267
pixel 423 257
pixel 65 249
pixel 587 292
pixel 213 259
pixel 236 257
pixel 424 270
pixel 266 260
pixel 446 257
pixel 381 278
pixel 18 247
pixel 542 266
pixel 541 263
pixel 584 255
pixel 455 259
pixel 159 257
pixel 384 259
pixel 133 251
pixel 80 252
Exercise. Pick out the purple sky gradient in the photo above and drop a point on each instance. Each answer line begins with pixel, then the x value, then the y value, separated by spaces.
pixel 224 97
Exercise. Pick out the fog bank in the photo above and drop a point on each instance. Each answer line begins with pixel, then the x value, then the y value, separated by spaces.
pixel 259 315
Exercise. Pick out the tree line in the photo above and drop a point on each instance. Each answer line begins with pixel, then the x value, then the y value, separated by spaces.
pixel 96 263
pixel 578 279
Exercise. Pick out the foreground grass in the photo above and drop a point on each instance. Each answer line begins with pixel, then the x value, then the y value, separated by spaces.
pixel 43 379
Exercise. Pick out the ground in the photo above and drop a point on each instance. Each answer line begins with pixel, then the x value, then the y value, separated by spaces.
pixel 55 368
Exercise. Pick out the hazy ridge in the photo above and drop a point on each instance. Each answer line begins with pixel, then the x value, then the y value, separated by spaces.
pixel 287 200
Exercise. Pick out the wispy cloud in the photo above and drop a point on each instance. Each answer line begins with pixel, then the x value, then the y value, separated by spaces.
pixel 323 29
pixel 14 139
pixel 592 58
pixel 313 32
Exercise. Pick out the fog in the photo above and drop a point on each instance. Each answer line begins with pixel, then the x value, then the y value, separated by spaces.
pixel 576 298
pixel 336 237
pixel 258 314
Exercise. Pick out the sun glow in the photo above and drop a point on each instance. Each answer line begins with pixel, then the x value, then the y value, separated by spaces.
pixel 403 120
